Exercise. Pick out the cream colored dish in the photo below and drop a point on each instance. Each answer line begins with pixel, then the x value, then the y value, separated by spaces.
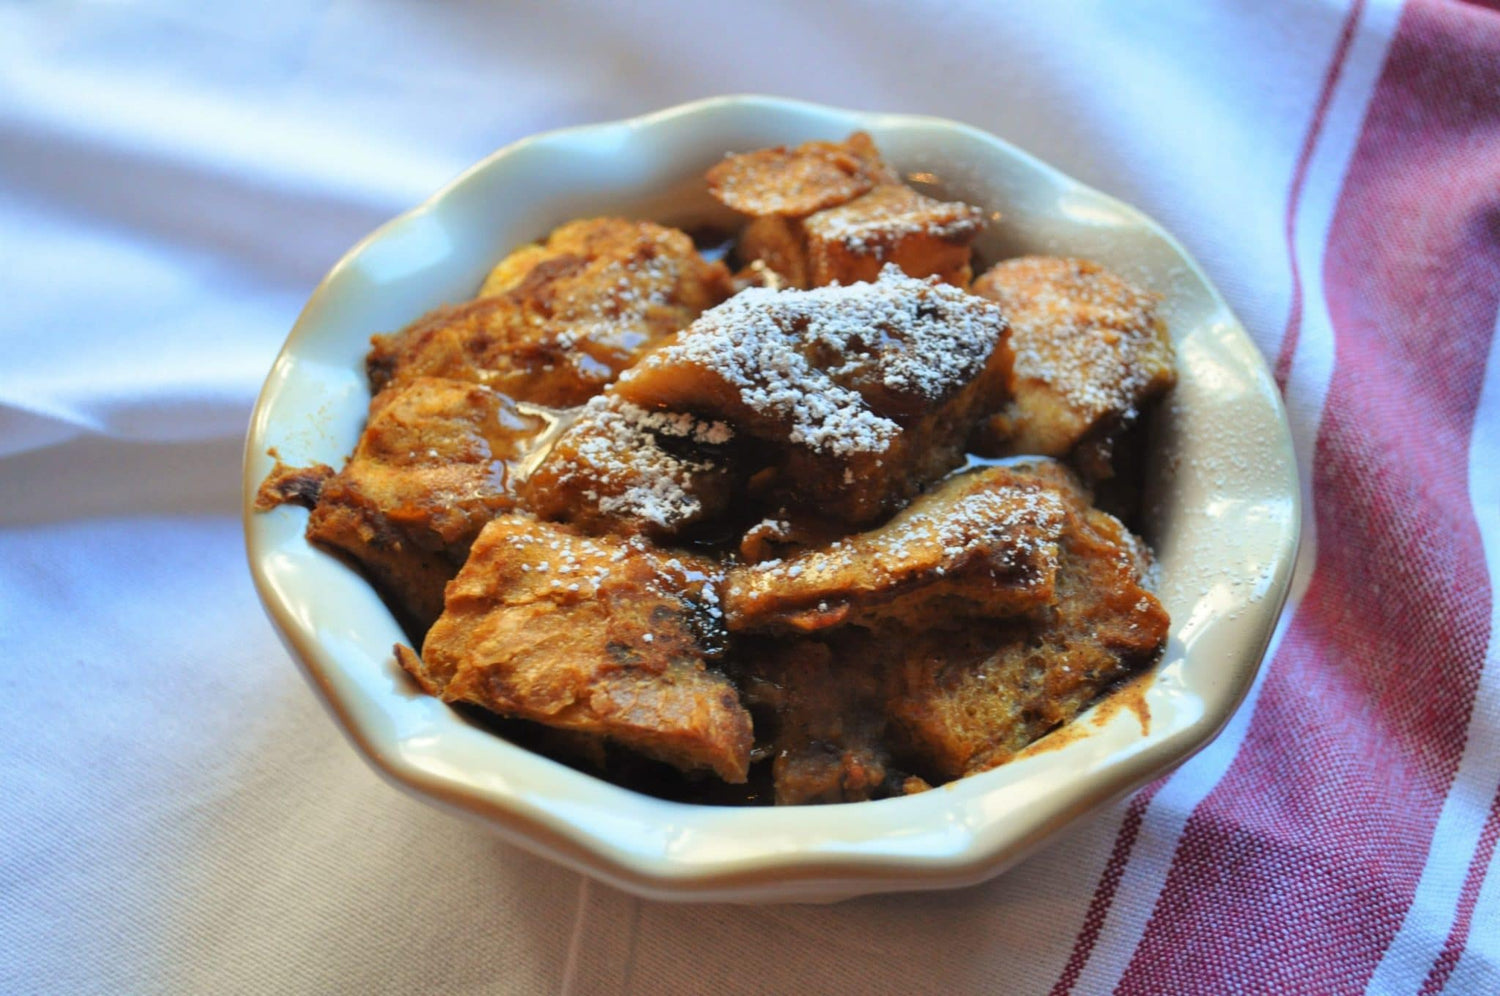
pixel 1222 514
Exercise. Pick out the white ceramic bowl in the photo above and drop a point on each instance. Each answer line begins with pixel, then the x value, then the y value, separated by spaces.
pixel 1223 517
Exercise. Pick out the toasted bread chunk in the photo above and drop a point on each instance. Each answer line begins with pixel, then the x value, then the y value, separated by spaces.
pixel 827 212
pixel 777 246
pixel 605 637
pixel 432 467
pixel 854 241
pixel 1090 350
pixel 795 182
pixel 892 224
pixel 968 698
pixel 292 485
pixel 555 324
pixel 825 724
pixel 510 271
pixel 621 468
pixel 868 392
pixel 956 695
pixel 984 543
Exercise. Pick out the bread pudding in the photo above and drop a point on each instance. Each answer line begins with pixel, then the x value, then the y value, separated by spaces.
pixel 814 523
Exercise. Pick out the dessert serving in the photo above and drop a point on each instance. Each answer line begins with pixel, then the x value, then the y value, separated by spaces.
pixel 811 522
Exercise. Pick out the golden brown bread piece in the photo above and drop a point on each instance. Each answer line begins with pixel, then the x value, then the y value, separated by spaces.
pixel 967 699
pixel 621 468
pixel 799 181
pixel 983 543
pixel 866 393
pixel 822 722
pixel 828 212
pixel 850 710
pixel 286 485
pixel 606 637
pixel 890 224
pixel 556 323
pixel 431 468
pixel 777 245
pixel 582 241
pixel 1090 350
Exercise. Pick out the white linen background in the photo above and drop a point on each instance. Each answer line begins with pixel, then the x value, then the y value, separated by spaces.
pixel 176 812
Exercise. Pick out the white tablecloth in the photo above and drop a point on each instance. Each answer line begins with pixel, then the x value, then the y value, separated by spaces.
pixel 178 815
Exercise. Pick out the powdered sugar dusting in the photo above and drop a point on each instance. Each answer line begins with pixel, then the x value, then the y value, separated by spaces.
pixel 878 221
pixel 584 568
pixel 798 181
pixel 807 360
pixel 613 451
pixel 1089 336
pixel 1014 526
pixel 677 424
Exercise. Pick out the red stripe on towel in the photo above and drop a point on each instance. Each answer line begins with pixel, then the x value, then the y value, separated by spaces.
pixel 1296 871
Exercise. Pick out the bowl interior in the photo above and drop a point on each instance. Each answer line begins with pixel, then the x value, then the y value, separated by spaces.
pixel 1221 512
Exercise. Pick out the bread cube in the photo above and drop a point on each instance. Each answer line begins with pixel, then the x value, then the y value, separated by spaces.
pixel 794 182
pixel 555 324
pixel 620 468
pixel 606 637
pixel 1090 351
pixel 866 393
pixel 982 544
pixel 434 464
